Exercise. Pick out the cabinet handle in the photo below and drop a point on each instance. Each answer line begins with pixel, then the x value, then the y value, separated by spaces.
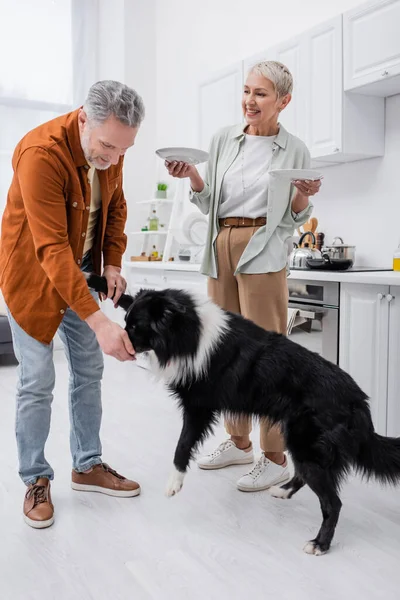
pixel 381 296
pixel 390 297
pixel 336 149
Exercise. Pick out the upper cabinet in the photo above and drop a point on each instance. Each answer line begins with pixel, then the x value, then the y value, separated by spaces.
pixel 340 127
pixel 372 48
pixel 337 127
pixel 322 70
pixel 220 99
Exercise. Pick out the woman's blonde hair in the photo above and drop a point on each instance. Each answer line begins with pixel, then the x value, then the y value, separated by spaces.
pixel 276 72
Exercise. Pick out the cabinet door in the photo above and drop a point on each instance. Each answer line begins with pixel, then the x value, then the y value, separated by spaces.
pixel 393 409
pixel 292 118
pixel 372 45
pixel 363 351
pixel 220 99
pixel 323 97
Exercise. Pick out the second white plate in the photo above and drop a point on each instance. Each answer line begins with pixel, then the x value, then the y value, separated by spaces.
pixel 192 156
pixel 291 174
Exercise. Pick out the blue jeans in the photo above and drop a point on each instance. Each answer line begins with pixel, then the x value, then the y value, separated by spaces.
pixel 36 379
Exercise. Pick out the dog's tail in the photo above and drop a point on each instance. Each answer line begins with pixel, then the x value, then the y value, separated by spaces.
pixel 379 457
pixel 99 284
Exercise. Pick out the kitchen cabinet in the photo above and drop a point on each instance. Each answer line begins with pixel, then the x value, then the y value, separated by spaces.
pixel 336 126
pixel 369 348
pixel 151 276
pixel 371 47
pixel 220 99
pixel 340 127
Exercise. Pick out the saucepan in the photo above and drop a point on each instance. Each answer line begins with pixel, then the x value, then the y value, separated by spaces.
pixel 340 251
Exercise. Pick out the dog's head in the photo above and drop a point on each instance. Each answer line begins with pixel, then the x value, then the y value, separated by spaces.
pixel 164 321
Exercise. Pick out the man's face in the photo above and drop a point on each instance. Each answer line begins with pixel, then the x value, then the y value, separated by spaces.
pixel 103 144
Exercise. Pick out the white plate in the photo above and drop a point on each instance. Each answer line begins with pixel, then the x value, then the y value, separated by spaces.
pixel 301 174
pixel 195 229
pixel 192 156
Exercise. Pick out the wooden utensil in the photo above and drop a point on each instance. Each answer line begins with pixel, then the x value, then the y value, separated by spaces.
pixel 310 225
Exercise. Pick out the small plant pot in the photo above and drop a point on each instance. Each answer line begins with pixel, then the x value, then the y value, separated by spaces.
pixel 161 194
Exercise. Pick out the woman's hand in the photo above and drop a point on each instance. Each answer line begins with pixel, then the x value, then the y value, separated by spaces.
pixel 307 187
pixel 182 170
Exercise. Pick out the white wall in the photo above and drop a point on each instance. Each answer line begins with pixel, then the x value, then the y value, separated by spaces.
pixel 127 52
pixel 358 201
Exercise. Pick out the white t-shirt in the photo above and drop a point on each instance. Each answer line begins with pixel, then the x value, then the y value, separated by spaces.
pixel 253 159
pixel 95 205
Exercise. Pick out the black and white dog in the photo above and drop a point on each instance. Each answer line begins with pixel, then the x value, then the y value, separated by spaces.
pixel 216 362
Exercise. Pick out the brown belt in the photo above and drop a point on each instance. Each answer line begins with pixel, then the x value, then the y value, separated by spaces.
pixel 242 222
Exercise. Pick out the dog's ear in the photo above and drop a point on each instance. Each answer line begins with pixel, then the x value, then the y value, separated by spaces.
pixel 160 342
pixel 176 306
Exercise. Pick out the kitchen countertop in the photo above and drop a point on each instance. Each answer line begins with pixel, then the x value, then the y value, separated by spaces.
pixel 159 264
pixel 372 277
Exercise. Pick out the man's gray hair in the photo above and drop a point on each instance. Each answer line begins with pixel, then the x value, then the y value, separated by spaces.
pixel 106 98
pixel 276 72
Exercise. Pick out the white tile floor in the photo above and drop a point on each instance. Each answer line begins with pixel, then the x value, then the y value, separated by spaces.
pixel 209 542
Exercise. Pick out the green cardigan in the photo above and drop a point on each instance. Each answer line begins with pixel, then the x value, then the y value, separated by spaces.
pixel 267 250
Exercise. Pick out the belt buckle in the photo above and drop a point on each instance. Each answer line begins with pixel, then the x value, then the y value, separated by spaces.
pixel 225 222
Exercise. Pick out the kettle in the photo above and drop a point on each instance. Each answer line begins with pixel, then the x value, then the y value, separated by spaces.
pixel 298 257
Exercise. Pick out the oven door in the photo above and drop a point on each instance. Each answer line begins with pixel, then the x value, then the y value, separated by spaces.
pixel 316 328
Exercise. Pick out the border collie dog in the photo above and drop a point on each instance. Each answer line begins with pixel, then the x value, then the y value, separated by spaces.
pixel 217 362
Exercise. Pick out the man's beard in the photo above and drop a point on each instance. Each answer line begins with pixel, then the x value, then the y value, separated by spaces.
pixel 91 159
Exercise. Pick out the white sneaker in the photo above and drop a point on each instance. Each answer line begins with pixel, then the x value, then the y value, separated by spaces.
pixel 226 454
pixel 263 475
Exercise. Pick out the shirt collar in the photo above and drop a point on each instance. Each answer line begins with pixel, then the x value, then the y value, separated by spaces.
pixel 280 140
pixel 74 139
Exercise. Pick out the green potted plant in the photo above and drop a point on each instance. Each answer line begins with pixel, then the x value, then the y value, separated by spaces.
pixel 161 190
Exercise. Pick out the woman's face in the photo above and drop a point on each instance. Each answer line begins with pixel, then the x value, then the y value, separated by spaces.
pixel 260 103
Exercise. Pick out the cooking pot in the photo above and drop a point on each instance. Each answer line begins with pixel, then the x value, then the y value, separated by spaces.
pixel 298 257
pixel 340 250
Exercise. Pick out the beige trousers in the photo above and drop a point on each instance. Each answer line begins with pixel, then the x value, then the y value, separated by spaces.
pixel 262 298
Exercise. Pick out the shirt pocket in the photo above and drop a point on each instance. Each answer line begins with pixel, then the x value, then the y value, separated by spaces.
pixel 113 185
pixel 75 202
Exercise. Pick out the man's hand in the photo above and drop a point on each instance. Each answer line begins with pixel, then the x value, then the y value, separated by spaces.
pixel 116 283
pixel 113 340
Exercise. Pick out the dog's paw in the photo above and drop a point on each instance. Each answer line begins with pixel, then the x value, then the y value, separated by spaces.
pixel 175 483
pixel 278 492
pixel 314 548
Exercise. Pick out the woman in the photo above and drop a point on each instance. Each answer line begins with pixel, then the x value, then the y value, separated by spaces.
pixel 252 214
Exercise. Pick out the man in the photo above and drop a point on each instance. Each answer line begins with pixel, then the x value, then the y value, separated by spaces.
pixel 66 212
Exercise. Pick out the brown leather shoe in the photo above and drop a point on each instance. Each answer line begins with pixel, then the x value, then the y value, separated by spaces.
pixel 105 480
pixel 38 508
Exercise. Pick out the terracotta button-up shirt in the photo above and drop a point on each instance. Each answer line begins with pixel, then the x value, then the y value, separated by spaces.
pixel 44 227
